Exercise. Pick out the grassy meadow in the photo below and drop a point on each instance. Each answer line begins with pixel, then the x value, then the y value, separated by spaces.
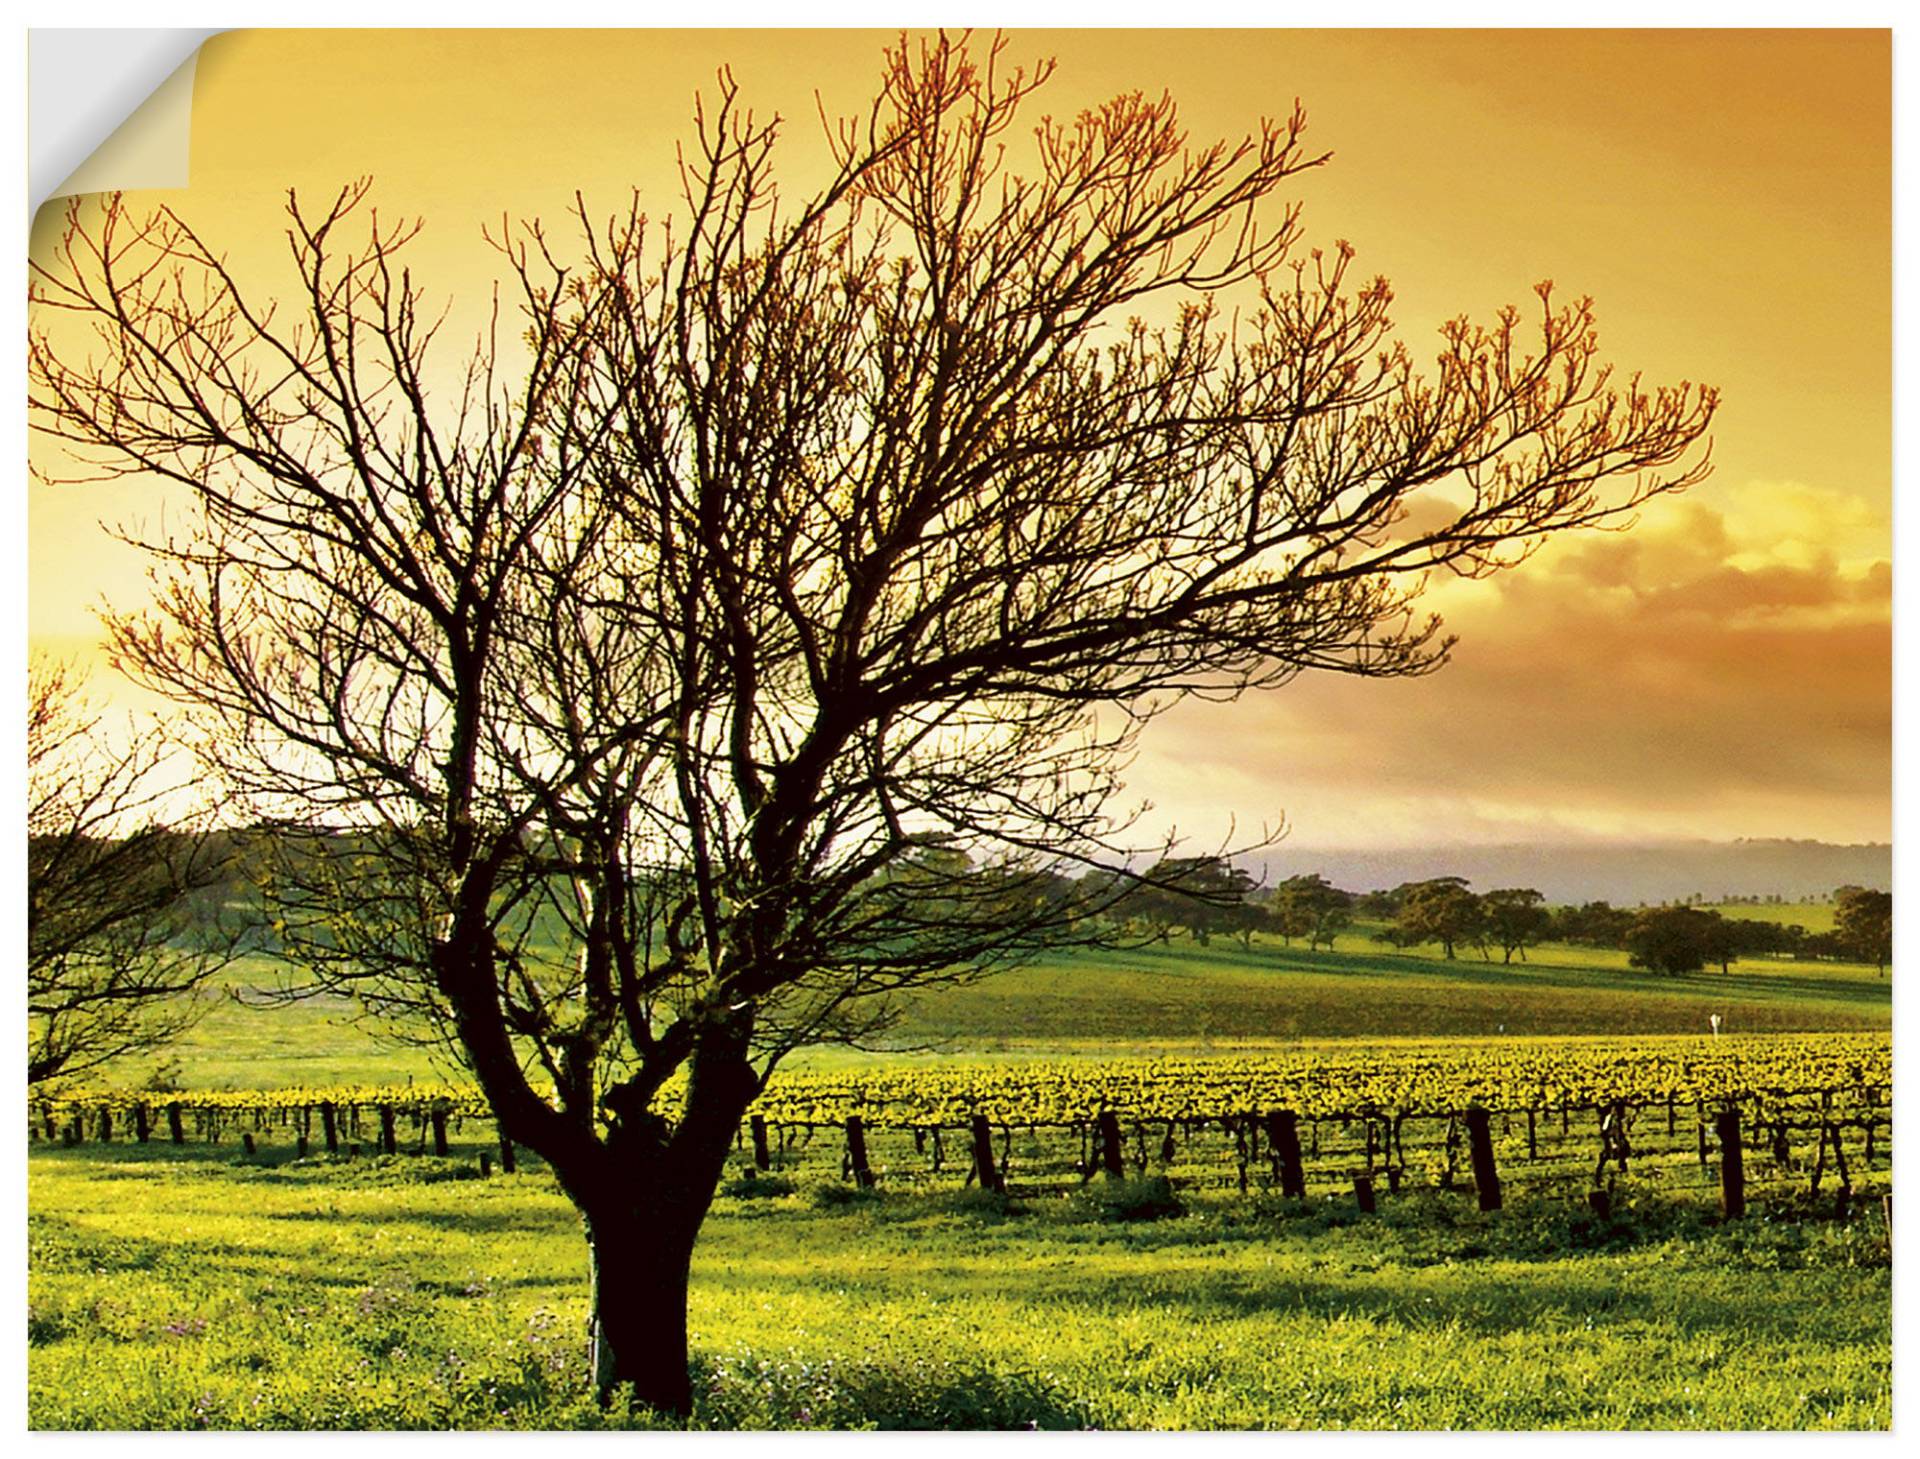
pixel 192 1287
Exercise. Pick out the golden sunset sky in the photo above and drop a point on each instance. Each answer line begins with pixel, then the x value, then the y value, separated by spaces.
pixel 1722 670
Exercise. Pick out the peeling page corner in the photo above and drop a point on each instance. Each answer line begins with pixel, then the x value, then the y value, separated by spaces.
pixel 110 110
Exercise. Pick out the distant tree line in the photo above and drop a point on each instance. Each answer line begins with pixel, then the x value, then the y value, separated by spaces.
pixel 1207 896
pixel 1668 939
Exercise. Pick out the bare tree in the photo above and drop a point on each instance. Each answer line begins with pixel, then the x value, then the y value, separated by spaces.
pixel 763 634
pixel 125 921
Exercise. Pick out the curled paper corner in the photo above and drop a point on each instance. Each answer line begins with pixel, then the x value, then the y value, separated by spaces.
pixel 110 110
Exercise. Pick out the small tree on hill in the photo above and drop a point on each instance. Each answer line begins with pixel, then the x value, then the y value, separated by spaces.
pixel 1307 906
pixel 1441 910
pixel 1863 923
pixel 1516 918
pixel 1670 939
pixel 1723 941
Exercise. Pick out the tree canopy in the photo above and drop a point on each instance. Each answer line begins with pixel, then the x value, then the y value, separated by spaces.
pixel 1442 910
pixel 1310 907
pixel 1671 939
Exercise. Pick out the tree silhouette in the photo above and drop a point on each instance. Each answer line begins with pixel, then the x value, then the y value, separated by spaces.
pixel 124 920
pixel 797 532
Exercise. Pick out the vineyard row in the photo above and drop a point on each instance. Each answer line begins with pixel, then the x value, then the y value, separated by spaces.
pixel 1778 1138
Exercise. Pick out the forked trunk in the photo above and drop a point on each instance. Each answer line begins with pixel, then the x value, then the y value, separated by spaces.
pixel 643 1208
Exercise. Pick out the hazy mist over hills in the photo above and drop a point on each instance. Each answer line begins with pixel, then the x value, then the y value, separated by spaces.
pixel 1621 873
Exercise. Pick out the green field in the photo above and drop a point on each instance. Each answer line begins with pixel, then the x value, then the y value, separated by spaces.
pixel 189 1289
pixel 1813 916
pixel 1177 997
pixel 192 1288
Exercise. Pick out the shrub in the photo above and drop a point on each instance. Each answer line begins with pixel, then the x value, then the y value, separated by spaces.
pixel 1151 1199
pixel 832 1194
pixel 753 1184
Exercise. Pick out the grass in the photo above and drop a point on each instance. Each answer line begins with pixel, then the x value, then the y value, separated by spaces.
pixel 187 1289
pixel 1183 995
pixel 180 1288
pixel 1178 997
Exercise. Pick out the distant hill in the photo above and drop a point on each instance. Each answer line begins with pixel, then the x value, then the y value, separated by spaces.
pixel 1624 874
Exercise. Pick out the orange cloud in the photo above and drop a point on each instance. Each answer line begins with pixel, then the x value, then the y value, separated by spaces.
pixel 1634 684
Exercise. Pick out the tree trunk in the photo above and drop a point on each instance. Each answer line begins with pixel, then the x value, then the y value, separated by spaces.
pixel 640 1260
pixel 643 1203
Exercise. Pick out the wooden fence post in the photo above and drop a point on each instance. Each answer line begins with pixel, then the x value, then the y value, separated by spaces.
pixel 1363 1191
pixel 857 1151
pixel 1283 1138
pixel 1486 1180
pixel 762 1156
pixel 1733 1174
pixel 175 1131
pixel 1832 1133
pixel 983 1163
pixel 1113 1159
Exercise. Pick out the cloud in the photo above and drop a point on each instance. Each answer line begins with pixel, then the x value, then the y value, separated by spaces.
pixel 1721 670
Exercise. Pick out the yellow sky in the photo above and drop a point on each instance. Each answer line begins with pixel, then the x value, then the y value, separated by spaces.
pixel 1724 196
